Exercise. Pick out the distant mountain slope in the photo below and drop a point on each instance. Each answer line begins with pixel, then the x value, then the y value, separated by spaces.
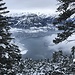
pixel 31 20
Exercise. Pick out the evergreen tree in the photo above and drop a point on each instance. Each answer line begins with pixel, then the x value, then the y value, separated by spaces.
pixel 67 10
pixel 55 57
pixel 10 57
pixel 73 52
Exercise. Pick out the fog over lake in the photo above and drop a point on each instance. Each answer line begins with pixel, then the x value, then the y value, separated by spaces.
pixel 38 45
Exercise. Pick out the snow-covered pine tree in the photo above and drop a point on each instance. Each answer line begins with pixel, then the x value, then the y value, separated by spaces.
pixel 73 52
pixel 10 57
pixel 67 10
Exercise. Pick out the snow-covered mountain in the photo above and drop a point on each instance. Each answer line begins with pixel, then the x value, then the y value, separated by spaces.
pixel 32 20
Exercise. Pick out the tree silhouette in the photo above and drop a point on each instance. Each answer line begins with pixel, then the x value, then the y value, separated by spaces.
pixel 10 57
pixel 67 10
pixel 73 51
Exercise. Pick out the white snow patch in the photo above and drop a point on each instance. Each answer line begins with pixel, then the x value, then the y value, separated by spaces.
pixel 73 60
pixel 24 51
pixel 72 37
pixel 0 37
pixel 3 45
pixel 6 55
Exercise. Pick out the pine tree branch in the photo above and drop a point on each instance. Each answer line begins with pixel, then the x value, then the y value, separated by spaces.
pixel 3 8
pixel 2 4
pixel 4 12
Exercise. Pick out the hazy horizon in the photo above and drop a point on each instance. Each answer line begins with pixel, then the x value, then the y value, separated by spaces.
pixel 40 6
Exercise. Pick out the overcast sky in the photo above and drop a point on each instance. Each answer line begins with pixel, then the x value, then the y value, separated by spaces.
pixel 43 6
